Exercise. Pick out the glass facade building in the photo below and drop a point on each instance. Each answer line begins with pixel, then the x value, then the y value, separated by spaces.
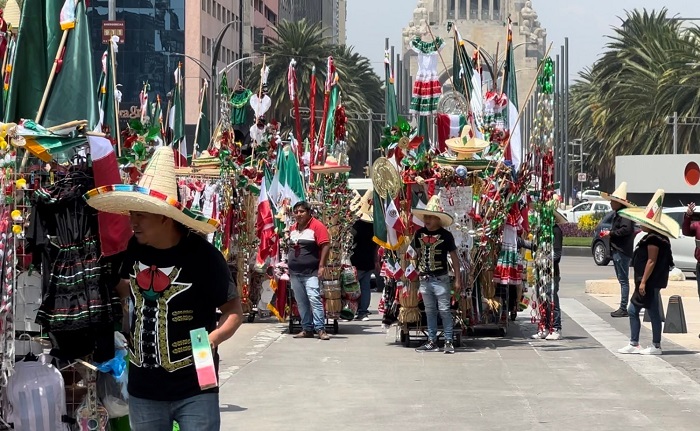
pixel 154 34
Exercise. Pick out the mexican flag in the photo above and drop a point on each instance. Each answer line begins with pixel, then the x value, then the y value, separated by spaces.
pixel 176 122
pixel 467 80
pixel 107 96
pixel 513 151
pixel 265 227
pixel 448 126
pixel 388 226
pixel 203 132
pixel 287 187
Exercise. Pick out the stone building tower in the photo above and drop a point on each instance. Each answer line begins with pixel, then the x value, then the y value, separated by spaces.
pixel 484 23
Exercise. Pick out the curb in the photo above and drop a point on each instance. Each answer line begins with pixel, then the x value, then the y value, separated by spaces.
pixel 686 289
pixel 577 251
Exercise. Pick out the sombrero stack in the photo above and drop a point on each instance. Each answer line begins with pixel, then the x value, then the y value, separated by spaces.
pixel 365 208
pixel 619 196
pixel 465 147
pixel 433 208
pixel 331 166
pixel 155 193
pixel 652 217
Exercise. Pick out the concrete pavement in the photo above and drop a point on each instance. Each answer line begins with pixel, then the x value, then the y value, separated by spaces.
pixel 364 379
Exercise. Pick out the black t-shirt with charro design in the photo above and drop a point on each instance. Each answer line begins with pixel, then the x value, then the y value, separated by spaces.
pixel 433 247
pixel 174 291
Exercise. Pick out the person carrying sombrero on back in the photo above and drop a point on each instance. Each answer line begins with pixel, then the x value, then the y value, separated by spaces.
pixel 652 260
pixel 621 235
pixel 176 280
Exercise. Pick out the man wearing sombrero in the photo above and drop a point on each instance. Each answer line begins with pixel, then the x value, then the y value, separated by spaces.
pixel 621 244
pixel 175 280
pixel 433 243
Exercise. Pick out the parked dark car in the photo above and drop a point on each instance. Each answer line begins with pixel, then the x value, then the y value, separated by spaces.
pixel 600 245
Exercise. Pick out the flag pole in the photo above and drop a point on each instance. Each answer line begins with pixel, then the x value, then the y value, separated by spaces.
pixel 199 119
pixel 117 134
pixel 260 87
pixel 52 76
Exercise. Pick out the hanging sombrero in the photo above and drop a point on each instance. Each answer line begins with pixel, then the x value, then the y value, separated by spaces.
pixel 652 216
pixel 434 208
pixel 466 144
pixel 366 210
pixel 385 178
pixel 331 166
pixel 155 193
pixel 619 195
pixel 559 218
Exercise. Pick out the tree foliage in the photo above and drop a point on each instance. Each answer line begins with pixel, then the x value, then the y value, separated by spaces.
pixel 361 88
pixel 649 71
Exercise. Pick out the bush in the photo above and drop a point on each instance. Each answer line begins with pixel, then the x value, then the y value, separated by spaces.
pixel 572 230
pixel 588 222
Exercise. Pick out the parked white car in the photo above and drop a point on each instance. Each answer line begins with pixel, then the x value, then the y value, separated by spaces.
pixel 683 248
pixel 590 196
pixel 575 213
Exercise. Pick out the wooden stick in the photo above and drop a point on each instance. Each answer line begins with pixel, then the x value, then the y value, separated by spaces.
pixel 68 125
pixel 117 136
pixel 199 119
pixel 52 76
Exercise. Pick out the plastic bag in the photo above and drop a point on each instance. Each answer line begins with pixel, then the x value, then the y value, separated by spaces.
pixel 112 380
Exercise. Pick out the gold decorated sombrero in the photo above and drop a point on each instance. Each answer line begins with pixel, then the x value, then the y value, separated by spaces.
pixel 465 144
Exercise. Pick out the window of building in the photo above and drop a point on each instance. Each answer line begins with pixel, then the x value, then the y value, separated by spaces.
pixel 473 9
pixel 497 10
pixel 209 7
pixel 451 9
pixel 462 9
pixel 258 38
pixel 204 5
pixel 204 45
pixel 208 46
pixel 218 12
pixel 485 10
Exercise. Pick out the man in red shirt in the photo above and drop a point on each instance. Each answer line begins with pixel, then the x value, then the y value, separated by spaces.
pixel 307 260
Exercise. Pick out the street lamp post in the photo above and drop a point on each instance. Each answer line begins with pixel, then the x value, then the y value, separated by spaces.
pixel 214 70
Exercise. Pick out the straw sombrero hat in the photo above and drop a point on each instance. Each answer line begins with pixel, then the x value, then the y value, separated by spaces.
pixel 366 211
pixel 652 217
pixel 619 195
pixel 434 208
pixel 466 144
pixel 331 166
pixel 559 218
pixel 155 193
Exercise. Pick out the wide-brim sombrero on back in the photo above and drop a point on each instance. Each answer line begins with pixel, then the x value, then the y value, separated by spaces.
pixel 652 217
pixel 619 195
pixel 155 193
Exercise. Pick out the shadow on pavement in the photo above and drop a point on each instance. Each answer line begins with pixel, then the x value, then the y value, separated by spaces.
pixel 231 408
pixel 679 352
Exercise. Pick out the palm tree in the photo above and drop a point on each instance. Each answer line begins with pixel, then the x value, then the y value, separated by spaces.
pixel 304 42
pixel 620 105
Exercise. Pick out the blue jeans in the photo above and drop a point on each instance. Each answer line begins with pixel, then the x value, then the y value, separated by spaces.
pixel 553 311
pixel 436 299
pixel 654 316
pixel 197 413
pixel 365 279
pixel 622 270
pixel 308 296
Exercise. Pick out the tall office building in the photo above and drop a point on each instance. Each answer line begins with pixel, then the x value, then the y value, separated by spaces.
pixel 331 14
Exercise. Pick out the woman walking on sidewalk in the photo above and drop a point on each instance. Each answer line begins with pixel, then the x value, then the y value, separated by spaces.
pixel 651 261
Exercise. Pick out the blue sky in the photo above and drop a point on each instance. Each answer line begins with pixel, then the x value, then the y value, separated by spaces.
pixel 585 22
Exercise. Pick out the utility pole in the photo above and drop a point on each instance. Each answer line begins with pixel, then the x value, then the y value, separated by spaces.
pixel 112 10
pixel 675 133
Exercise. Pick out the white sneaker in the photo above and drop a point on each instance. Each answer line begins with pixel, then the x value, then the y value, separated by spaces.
pixel 555 335
pixel 541 335
pixel 630 350
pixel 651 350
